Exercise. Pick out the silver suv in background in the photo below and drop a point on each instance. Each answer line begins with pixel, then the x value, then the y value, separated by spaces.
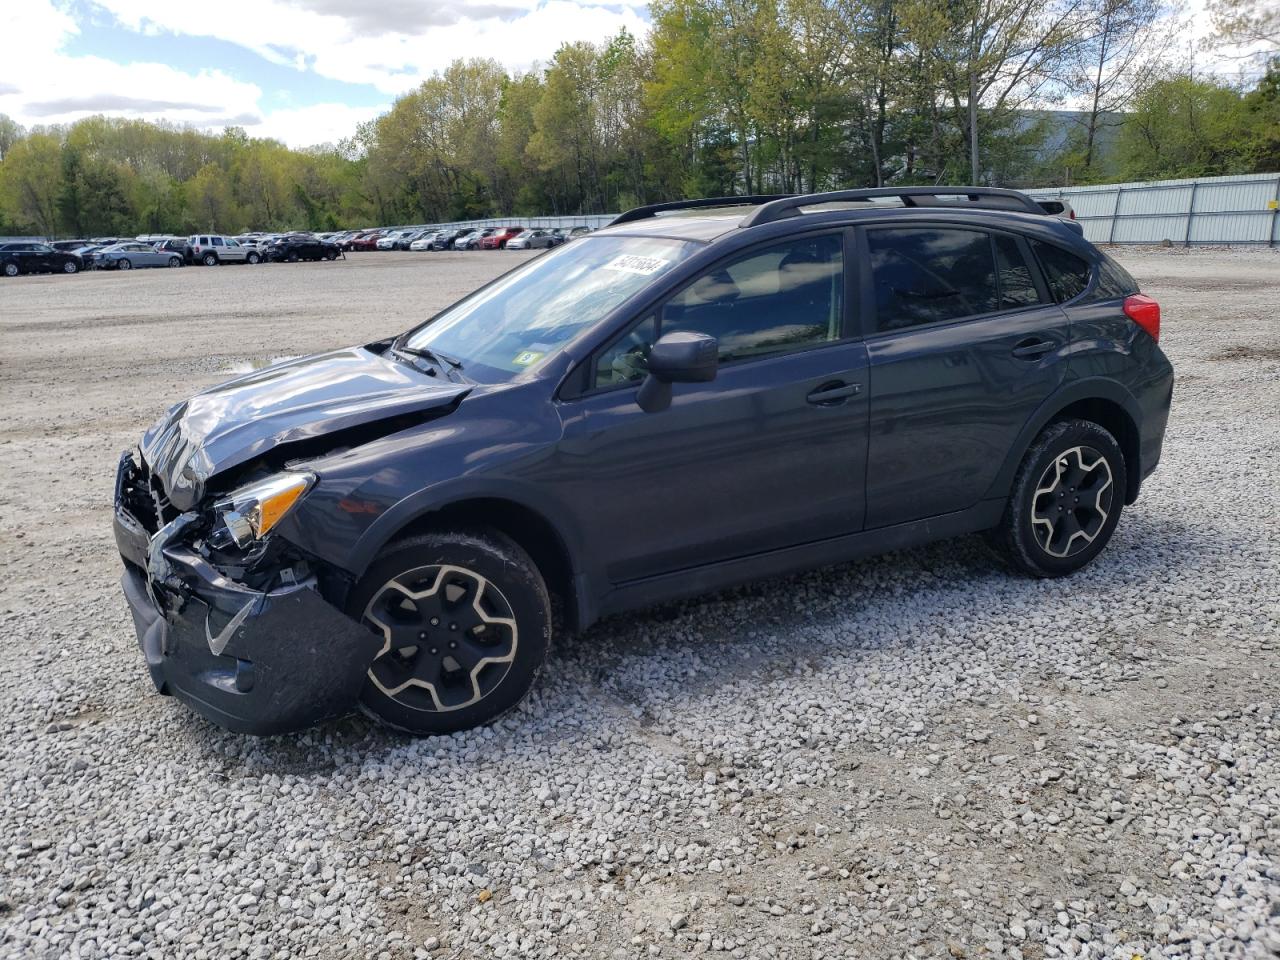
pixel 212 249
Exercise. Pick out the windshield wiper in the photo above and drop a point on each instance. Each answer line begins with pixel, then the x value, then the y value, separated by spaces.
pixel 432 355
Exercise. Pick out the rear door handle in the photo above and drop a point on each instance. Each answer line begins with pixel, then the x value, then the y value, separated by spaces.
pixel 1031 348
pixel 834 392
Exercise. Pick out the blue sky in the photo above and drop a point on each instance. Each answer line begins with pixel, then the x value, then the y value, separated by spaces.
pixel 303 71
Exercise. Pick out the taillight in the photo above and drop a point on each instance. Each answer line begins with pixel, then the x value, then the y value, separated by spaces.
pixel 1145 312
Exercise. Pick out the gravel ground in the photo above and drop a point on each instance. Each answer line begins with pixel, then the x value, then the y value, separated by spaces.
pixel 915 755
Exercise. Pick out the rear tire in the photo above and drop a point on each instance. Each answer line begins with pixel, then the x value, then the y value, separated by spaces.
pixel 1066 500
pixel 210 260
pixel 467 646
pixel 11 270
pixel 292 258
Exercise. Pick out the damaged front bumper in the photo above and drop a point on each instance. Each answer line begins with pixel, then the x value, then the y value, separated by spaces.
pixel 252 661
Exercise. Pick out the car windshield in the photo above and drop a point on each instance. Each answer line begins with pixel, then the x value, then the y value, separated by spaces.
pixel 513 323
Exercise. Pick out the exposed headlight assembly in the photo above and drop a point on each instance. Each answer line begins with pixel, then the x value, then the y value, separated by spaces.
pixel 249 514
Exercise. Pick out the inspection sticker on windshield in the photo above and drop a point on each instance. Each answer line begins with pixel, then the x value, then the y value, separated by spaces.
pixel 633 263
pixel 528 357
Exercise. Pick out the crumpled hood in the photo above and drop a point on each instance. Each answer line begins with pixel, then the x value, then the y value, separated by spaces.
pixel 232 423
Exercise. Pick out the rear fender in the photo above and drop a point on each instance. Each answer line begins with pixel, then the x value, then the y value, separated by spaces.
pixel 1093 388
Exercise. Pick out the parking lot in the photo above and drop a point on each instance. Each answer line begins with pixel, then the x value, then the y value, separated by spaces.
pixel 912 755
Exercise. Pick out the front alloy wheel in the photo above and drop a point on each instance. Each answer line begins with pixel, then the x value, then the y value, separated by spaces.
pixel 70 267
pixel 465 624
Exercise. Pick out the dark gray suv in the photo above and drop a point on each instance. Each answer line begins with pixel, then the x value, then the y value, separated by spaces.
pixel 702 393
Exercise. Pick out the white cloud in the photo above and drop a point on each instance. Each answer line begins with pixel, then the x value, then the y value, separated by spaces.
pixel 393 45
pixel 316 124
pixel 41 84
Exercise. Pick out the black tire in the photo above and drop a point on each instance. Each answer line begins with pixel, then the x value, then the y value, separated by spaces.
pixel 209 259
pixel 252 259
pixel 175 262
pixel 293 256
pixel 421 688
pixel 70 266
pixel 124 264
pixel 11 269
pixel 1066 500
pixel 331 255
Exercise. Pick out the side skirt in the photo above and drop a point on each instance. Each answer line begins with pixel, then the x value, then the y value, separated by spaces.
pixel 691 582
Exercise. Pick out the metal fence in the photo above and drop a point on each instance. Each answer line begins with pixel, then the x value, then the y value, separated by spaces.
pixel 1201 210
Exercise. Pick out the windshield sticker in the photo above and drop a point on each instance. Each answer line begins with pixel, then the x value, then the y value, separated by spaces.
pixel 634 263
pixel 527 357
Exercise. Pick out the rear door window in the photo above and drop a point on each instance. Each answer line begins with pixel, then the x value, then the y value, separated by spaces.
pixel 217 242
pixel 1066 274
pixel 1013 274
pixel 926 275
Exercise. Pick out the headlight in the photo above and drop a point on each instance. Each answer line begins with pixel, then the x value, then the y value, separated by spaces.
pixel 251 512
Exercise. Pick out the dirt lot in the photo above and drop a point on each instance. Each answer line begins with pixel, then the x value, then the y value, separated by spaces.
pixel 913 755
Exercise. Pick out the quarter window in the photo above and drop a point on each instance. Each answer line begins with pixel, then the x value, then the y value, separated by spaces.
pixel 1066 274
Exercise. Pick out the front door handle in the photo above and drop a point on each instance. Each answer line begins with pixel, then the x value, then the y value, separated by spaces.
pixel 837 391
pixel 1031 348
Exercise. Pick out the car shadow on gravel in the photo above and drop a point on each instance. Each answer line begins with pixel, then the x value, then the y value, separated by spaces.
pixel 744 630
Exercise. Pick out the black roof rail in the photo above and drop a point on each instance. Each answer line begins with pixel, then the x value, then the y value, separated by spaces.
pixel 653 209
pixel 983 198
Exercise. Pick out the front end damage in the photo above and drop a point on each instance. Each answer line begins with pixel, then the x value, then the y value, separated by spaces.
pixel 243 635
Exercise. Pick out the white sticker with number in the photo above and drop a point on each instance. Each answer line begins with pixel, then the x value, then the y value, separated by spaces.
pixel 633 263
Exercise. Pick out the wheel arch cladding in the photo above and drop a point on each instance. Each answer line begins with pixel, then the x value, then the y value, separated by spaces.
pixel 534 533
pixel 1103 402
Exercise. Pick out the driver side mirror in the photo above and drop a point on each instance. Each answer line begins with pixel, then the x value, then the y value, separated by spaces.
pixel 678 357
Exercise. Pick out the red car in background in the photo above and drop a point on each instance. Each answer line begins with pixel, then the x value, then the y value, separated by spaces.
pixel 364 241
pixel 498 240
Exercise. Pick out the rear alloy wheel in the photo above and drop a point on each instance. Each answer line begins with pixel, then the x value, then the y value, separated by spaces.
pixel 210 260
pixel 331 255
pixel 124 264
pixel 293 257
pixel 10 269
pixel 466 626
pixel 1066 500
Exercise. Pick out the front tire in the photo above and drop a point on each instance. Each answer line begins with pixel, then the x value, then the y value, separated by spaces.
pixel 1066 500
pixel 124 264
pixel 175 262
pixel 466 623
pixel 252 259
pixel 71 267
pixel 11 269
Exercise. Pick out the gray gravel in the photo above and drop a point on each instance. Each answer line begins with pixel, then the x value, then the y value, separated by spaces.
pixel 915 755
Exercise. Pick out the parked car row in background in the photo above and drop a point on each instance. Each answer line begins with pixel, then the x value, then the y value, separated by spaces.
pixel 212 249
pixel 488 238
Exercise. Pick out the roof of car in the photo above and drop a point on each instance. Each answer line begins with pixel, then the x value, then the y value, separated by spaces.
pixel 705 221
pixel 704 227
